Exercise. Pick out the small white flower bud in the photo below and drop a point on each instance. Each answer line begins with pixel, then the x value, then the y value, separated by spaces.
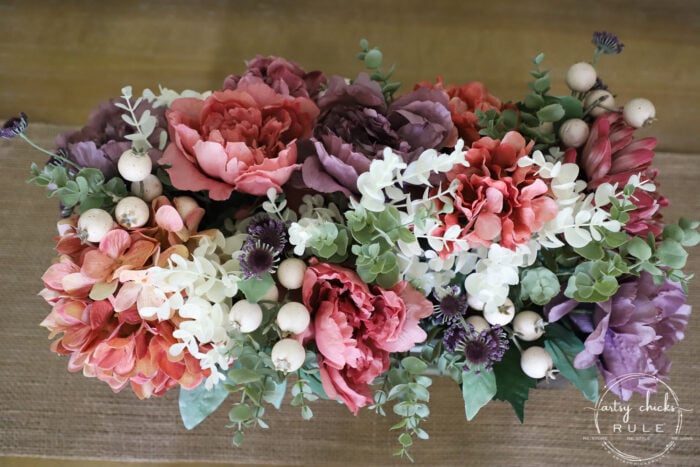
pixel 528 326
pixel 500 315
pixel 479 323
pixel 148 189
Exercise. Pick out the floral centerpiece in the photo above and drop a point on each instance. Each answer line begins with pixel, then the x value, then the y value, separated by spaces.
pixel 326 237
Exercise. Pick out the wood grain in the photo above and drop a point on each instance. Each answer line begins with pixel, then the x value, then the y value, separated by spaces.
pixel 58 59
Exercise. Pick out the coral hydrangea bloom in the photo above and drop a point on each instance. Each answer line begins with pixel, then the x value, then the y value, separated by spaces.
pixel 496 200
pixel 106 338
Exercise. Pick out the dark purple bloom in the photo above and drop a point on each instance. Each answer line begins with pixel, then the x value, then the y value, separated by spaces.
pixel 482 349
pixel 451 308
pixel 268 231
pixel 100 143
pixel 257 259
pixel 631 332
pixel 14 126
pixel 422 119
pixel 356 113
pixel 607 42
pixel 283 76
pixel 331 165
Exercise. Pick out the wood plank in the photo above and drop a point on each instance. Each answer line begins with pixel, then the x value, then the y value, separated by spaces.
pixel 60 58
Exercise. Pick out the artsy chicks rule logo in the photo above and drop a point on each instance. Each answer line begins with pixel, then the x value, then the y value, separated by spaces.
pixel 644 427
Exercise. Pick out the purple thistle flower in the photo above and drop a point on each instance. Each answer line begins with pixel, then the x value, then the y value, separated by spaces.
pixel 482 349
pixel 451 308
pixel 607 42
pixel 14 126
pixel 268 231
pixel 258 259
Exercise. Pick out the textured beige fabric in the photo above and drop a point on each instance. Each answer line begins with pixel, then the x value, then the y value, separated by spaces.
pixel 47 412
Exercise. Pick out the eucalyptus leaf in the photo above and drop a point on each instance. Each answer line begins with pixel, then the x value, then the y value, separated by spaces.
pixel 198 403
pixel 254 289
pixel 477 391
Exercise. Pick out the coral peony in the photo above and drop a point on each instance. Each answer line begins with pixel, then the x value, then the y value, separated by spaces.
pixel 355 328
pixel 236 140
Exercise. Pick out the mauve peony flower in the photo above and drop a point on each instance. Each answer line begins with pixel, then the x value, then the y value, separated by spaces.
pixel 240 140
pixel 355 126
pixel 330 165
pixel 496 200
pixel 355 328
pixel 283 76
pixel 631 332
pixel 100 143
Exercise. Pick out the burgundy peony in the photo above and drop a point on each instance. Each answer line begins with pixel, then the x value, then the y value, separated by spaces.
pixel 236 140
pixel 283 76
pixel 355 328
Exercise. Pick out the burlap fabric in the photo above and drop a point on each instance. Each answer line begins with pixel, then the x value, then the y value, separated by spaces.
pixel 47 412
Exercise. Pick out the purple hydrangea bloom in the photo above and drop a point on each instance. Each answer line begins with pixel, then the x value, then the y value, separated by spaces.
pixel 100 143
pixel 283 76
pixel 631 332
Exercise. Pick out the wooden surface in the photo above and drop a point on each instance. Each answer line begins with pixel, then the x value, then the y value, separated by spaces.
pixel 47 412
pixel 58 58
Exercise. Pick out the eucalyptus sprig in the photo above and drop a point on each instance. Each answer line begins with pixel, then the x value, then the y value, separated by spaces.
pixel 372 59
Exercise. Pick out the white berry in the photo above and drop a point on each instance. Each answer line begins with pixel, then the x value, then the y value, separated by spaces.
pixel 599 102
pixel 293 317
pixel 528 325
pixel 94 224
pixel 131 212
pixel 581 77
pixel 134 167
pixel 500 315
pixel 147 189
pixel 479 323
pixel 290 273
pixel 288 355
pixel 574 133
pixel 536 362
pixel 245 316
pixel 639 112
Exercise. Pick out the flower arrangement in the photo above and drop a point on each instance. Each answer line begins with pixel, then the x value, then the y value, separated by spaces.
pixel 293 232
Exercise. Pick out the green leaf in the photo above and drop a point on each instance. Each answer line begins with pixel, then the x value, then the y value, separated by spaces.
pixel 573 107
pixel 477 391
pixel 563 345
pixel 592 251
pixel 274 392
pixel 512 384
pixel 240 413
pixel 198 403
pixel 414 365
pixel 243 375
pixel 551 113
pixel 541 85
pixel 672 254
pixel 254 289
pixel 538 59
pixel 639 249
pixel 533 101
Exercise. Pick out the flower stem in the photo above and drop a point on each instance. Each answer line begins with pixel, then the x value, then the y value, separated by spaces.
pixel 52 154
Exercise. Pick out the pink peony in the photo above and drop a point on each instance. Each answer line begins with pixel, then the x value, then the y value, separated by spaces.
pixel 355 328
pixel 236 140
pixel 496 200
